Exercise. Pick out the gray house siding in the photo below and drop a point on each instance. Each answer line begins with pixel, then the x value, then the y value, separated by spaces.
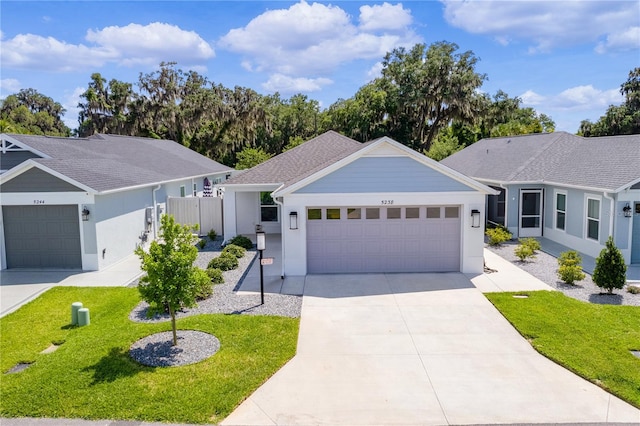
pixel 36 180
pixel 11 159
pixel 389 174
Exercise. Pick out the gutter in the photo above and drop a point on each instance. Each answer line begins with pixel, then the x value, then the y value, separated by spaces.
pixel 155 211
pixel 282 229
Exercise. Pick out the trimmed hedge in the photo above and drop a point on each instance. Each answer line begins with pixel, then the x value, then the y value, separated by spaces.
pixel 235 250
pixel 224 262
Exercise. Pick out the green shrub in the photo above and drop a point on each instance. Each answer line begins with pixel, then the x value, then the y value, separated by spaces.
pixel 497 236
pixel 224 262
pixel 212 234
pixel 201 243
pixel 235 250
pixel 524 251
pixel 204 287
pixel 216 275
pixel 570 269
pixel 242 241
pixel 610 271
pixel 532 243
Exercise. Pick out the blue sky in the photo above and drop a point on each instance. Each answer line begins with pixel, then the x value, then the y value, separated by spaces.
pixel 566 59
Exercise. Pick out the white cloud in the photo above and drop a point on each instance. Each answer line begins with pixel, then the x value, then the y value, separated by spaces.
pixel 545 25
pixel 9 86
pixel 532 98
pixel 70 103
pixel 130 45
pixel 375 71
pixel 314 39
pixel 285 84
pixel 574 98
pixel 628 39
pixel 384 17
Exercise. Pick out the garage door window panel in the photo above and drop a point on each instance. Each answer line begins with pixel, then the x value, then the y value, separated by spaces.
pixel 433 212
pixel 373 213
pixel 353 213
pixel 451 212
pixel 314 214
pixel 394 213
pixel 333 214
pixel 412 213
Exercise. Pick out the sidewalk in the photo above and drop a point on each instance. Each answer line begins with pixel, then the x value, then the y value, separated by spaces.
pixel 507 277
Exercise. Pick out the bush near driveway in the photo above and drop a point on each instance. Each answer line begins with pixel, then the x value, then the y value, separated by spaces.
pixel 591 340
pixel 91 375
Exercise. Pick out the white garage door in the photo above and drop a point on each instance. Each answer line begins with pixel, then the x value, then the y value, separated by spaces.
pixel 383 239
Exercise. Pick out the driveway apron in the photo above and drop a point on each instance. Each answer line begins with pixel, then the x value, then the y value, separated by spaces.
pixel 417 349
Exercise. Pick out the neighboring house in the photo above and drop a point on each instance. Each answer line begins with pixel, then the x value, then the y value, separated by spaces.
pixel 573 190
pixel 346 207
pixel 87 203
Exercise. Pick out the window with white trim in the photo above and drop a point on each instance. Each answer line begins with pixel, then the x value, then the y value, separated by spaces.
pixel 195 189
pixel 593 218
pixel 182 191
pixel 561 210
pixel 268 208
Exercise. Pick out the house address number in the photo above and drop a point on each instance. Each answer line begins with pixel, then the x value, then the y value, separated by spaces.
pixel 387 202
pixel 38 201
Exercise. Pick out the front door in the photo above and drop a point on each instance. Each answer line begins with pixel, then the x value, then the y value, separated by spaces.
pixel 530 213
pixel 635 234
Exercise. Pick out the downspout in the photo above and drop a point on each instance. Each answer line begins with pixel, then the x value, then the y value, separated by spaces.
pixel 155 211
pixel 282 229
pixel 612 207
pixel 506 204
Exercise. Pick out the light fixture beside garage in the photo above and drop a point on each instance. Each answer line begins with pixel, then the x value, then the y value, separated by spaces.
pixel 475 218
pixel 293 220
pixel 85 214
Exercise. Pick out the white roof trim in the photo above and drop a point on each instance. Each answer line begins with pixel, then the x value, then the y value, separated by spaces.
pixel 558 184
pixel 23 145
pixel 406 150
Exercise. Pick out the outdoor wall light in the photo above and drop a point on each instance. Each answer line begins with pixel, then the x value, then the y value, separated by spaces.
pixel 475 218
pixel 293 220
pixel 261 240
pixel 85 214
pixel 627 210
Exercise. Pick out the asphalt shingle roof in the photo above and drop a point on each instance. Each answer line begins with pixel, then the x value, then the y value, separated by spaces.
pixel 606 163
pixel 300 162
pixel 111 162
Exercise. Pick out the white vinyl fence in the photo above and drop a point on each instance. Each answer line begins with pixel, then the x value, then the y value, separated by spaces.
pixel 204 211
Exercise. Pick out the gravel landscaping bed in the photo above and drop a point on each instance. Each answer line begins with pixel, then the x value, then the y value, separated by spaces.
pixel 545 267
pixel 225 300
pixel 156 350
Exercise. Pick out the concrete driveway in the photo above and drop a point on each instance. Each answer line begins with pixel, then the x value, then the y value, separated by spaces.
pixel 18 287
pixel 390 349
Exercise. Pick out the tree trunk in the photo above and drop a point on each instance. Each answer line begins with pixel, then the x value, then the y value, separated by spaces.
pixel 173 326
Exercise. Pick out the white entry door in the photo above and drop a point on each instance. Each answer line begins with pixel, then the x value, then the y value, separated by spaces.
pixel 530 213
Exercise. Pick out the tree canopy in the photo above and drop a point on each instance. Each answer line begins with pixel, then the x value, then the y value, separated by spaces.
pixel 619 119
pixel 427 97
pixel 31 112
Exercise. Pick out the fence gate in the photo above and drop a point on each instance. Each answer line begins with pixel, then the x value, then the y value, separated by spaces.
pixel 204 211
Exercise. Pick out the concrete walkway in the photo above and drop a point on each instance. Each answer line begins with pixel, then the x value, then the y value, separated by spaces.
pixel 18 287
pixel 427 349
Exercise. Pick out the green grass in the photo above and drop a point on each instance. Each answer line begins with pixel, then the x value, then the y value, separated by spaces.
pixel 589 339
pixel 91 375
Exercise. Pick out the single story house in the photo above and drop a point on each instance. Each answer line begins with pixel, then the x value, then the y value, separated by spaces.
pixel 575 191
pixel 341 206
pixel 87 203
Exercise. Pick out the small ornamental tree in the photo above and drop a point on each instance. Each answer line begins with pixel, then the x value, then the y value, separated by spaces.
pixel 610 271
pixel 172 282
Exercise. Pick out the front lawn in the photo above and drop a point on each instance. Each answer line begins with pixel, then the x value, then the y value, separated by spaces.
pixel 92 376
pixel 591 340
